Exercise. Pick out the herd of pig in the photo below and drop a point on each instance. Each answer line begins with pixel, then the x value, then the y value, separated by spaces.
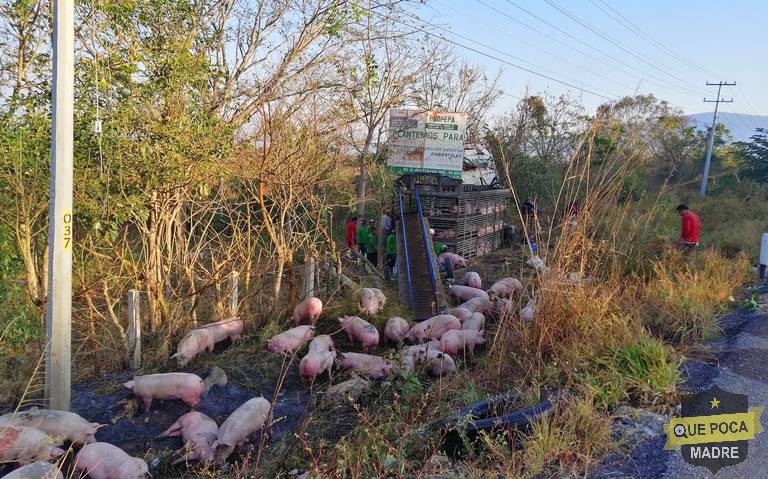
pixel 33 437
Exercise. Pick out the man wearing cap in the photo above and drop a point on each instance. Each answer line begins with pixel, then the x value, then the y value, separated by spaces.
pixel 690 228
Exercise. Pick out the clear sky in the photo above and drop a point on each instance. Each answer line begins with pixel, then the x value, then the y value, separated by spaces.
pixel 669 48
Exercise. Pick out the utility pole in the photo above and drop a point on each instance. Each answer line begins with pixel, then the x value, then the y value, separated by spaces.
pixel 711 142
pixel 58 324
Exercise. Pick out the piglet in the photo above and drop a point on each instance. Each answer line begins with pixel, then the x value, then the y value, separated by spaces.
pixel 321 343
pixel 199 432
pixel 472 279
pixel 464 293
pixel 36 470
pixel 316 363
pixel 456 260
pixel 307 311
pixel 433 328
pixel 413 356
pixel 396 329
pixel 252 416
pixel 101 460
pixel 360 330
pixel 478 305
pixel 230 328
pixel 185 386
pixel 194 343
pixel 462 313
pixel 64 424
pixel 25 444
pixel 370 301
pixel 476 323
pixel 455 342
pixel 439 363
pixel 374 367
pixel 289 341
pixel 351 388
pixel 506 288
pixel 505 307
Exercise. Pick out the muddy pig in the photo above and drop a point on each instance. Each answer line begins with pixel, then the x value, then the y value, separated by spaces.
pixel 199 432
pixel 472 279
pixel 464 293
pixel 185 386
pixel 316 363
pixel 351 388
pixel 396 329
pixel 289 341
pixel 506 288
pixel 321 343
pixel 36 470
pixel 360 330
pixel 371 301
pixel 375 367
pixel 307 311
pixel 101 460
pixel 250 417
pixel 433 328
pixel 455 342
pixel 64 424
pixel 462 313
pixel 194 343
pixel 475 323
pixel 230 328
pixel 25 444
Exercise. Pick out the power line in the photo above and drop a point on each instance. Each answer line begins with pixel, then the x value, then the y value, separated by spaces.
pixel 705 175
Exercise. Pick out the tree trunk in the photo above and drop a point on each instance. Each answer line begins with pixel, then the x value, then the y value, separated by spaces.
pixel 361 186
pixel 25 241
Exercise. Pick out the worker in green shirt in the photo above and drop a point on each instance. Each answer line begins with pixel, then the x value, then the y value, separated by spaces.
pixel 389 265
pixel 361 236
pixel 370 246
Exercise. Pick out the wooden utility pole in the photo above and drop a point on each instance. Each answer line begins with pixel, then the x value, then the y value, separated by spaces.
pixel 58 325
pixel 705 175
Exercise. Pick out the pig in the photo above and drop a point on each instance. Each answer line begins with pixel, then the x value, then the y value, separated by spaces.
pixel 185 386
pixel 412 356
pixel 24 444
pixel 289 341
pixel 199 433
pixel 505 307
pixel 455 342
pixel 358 329
pixel 437 362
pixel 433 328
pixel 351 388
pixel 462 313
pixel 230 328
pixel 370 301
pixel 476 323
pixel 194 343
pixel 396 329
pixel 456 260
pixel 36 470
pixel 307 311
pixel 316 363
pixel 321 343
pixel 529 311
pixel 472 279
pixel 101 460
pixel 252 416
pixel 478 305
pixel 506 288
pixel 64 424
pixel 465 293
pixel 374 367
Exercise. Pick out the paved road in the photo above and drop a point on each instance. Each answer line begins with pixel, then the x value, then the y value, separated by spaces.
pixel 739 365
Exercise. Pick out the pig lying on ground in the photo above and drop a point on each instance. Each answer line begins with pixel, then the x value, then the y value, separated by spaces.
pixel 506 288
pixel 194 343
pixel 412 356
pixel 478 305
pixel 316 363
pixel 374 367
pixel 289 341
pixel 371 301
pixel 230 328
pixel 472 279
pixel 396 329
pixel 64 424
pixel 185 386
pixel 101 460
pixel 36 470
pixel 462 313
pixel 476 323
pixel 433 328
pixel 25 444
pixel 252 416
pixel 321 343
pixel 360 330
pixel 199 432
pixel 307 311
pixel 455 342
pixel 464 293
pixel 351 388
pixel 456 260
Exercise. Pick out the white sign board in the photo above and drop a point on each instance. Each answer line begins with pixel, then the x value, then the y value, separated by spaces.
pixel 426 142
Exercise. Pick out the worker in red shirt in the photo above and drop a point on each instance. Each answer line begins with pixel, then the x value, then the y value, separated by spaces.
pixel 690 227
pixel 351 235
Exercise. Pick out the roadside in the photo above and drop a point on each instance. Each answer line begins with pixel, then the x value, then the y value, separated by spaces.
pixel 736 362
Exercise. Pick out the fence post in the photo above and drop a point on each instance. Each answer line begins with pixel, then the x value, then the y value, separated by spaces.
pixel 234 292
pixel 309 278
pixel 133 351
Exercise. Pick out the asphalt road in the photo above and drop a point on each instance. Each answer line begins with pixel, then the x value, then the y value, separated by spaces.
pixel 737 362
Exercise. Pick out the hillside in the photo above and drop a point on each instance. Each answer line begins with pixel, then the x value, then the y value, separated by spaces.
pixel 742 126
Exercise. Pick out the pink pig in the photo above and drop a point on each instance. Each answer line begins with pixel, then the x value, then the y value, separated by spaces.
pixel 462 313
pixel 101 460
pixel 476 322
pixel 456 260
pixel 413 356
pixel 199 433
pixel 505 307
pixel 321 343
pixel 455 342
pixel 396 329
pixel 358 329
pixel 473 280
pixel 64 424
pixel 252 416
pixel 230 328
pixel 36 470
pixel 185 386
pixel 194 343
pixel 316 363
pixel 478 305
pixel 371 301
pixel 25 444
pixel 465 293
pixel 307 311
pixel 374 367
pixel 433 328
pixel 439 363
pixel 289 341
pixel 506 288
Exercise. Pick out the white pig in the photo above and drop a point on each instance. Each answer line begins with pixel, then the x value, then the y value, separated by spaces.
pixel 25 444
pixel 199 432
pixel 371 301
pixel 478 305
pixel 456 260
pixel 316 363
pixel 433 328
pixel 455 342
pixel 252 416
pixel 185 386
pixel 439 363
pixel 412 356
pixel 465 293
pixel 396 329
pixel 230 328
pixel 307 311
pixel 194 343
pixel 64 424
pixel 36 470
pixel 321 343
pixel 506 288
pixel 289 341
pixel 358 329
pixel 374 367
pixel 476 323
pixel 472 279
pixel 101 460
pixel 462 313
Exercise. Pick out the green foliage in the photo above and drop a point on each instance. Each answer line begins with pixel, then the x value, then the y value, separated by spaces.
pixel 754 155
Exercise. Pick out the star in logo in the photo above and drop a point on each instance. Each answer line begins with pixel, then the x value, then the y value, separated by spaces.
pixel 714 402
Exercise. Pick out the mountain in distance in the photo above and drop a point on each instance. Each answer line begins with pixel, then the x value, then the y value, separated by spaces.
pixel 742 126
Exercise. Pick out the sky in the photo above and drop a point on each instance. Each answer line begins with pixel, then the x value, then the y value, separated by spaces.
pixel 669 48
